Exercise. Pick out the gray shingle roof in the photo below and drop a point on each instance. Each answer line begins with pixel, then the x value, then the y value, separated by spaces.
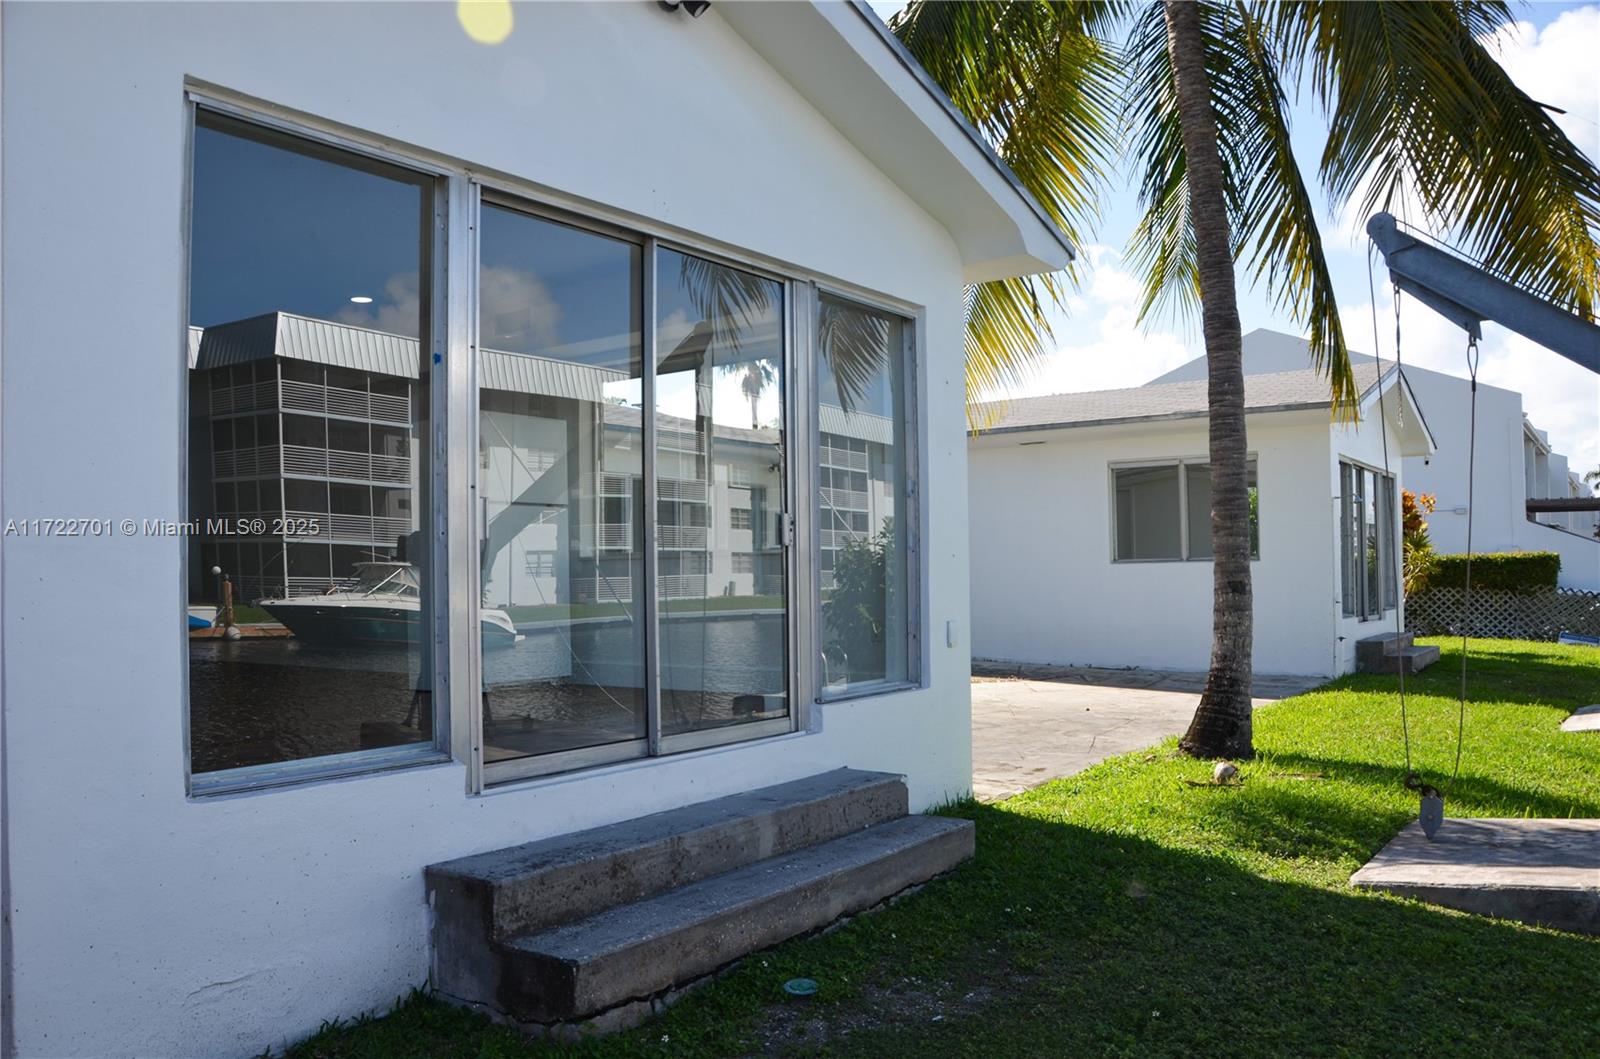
pixel 1279 391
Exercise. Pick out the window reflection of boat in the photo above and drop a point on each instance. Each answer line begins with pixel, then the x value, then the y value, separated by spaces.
pixel 383 606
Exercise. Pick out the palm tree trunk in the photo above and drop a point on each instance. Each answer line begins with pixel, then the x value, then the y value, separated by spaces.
pixel 1221 725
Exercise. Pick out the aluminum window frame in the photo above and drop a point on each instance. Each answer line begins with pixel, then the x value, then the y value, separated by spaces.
pixel 441 400
pixel 1182 465
pixel 1354 501
pixel 458 735
pixel 656 743
pixel 917 638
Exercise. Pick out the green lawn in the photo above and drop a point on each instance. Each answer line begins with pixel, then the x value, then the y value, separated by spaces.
pixel 1124 912
pixel 565 611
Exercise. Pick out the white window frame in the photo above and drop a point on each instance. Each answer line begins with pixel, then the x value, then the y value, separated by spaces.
pixel 1182 464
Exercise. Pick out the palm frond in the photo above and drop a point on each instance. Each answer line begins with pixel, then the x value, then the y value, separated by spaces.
pixel 854 344
pixel 730 301
pixel 1277 222
pixel 1039 82
pixel 1162 248
pixel 1008 332
pixel 1272 221
pixel 1422 115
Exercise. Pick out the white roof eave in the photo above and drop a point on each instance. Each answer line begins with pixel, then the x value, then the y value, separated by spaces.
pixel 842 58
pixel 1416 437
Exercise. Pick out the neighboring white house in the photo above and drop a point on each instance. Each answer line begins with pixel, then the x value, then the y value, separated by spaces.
pixel 1515 462
pixel 479 277
pixel 1091 522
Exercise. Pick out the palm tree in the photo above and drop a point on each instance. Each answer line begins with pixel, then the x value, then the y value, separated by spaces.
pixel 1421 119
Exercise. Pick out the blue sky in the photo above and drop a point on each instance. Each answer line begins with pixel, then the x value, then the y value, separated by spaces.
pixel 1551 54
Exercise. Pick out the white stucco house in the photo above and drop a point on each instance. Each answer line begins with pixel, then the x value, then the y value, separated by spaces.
pixel 530 389
pixel 1090 523
pixel 1515 462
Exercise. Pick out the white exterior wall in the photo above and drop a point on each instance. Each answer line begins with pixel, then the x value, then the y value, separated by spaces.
pixel 1505 458
pixel 147 923
pixel 1044 587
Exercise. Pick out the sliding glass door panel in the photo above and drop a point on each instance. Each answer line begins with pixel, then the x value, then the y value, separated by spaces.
pixel 720 456
pixel 560 472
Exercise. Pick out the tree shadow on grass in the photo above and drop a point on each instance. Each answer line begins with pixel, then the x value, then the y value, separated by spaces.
pixel 1478 794
pixel 1494 675
pixel 1090 942
pixel 1059 939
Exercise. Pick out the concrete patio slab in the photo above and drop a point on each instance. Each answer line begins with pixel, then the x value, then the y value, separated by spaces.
pixel 1586 719
pixel 1544 872
pixel 1032 724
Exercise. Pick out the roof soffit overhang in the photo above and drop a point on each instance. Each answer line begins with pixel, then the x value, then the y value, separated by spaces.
pixel 1394 395
pixel 841 57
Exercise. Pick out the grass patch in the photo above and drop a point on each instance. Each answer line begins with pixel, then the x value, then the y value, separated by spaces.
pixel 572 611
pixel 1122 912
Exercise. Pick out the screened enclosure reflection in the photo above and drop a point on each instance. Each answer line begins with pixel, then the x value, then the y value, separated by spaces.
pixel 308 480
pixel 862 537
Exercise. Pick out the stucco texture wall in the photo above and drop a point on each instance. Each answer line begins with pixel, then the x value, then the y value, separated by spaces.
pixel 146 923
pixel 1045 589
pixel 1499 522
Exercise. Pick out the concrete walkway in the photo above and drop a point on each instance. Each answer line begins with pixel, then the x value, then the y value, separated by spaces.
pixel 1033 724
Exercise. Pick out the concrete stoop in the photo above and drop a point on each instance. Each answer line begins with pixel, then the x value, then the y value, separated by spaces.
pixel 594 932
pixel 1392 652
pixel 1541 872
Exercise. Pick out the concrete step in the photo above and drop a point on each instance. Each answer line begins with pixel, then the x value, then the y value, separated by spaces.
pixel 478 903
pixel 557 880
pixel 1371 649
pixel 1544 872
pixel 622 961
pixel 1410 659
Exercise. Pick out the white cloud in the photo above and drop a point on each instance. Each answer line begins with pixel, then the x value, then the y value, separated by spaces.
pixel 397 312
pixel 1556 65
pixel 1102 344
pixel 517 310
pixel 1558 396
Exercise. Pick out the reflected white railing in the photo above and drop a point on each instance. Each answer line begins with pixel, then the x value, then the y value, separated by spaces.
pixel 244 397
pixel 832 457
pixel 689 489
pixel 338 400
pixel 681 536
pixel 364 529
pixel 258 462
pixel 844 498
pixel 336 463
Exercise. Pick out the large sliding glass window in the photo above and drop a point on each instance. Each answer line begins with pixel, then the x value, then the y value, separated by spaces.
pixel 634 568
pixel 620 534
pixel 1367 542
pixel 308 577
pixel 719 479
pixel 863 510
pixel 560 490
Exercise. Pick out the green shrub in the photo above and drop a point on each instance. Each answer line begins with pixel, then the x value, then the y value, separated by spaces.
pixel 1499 571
